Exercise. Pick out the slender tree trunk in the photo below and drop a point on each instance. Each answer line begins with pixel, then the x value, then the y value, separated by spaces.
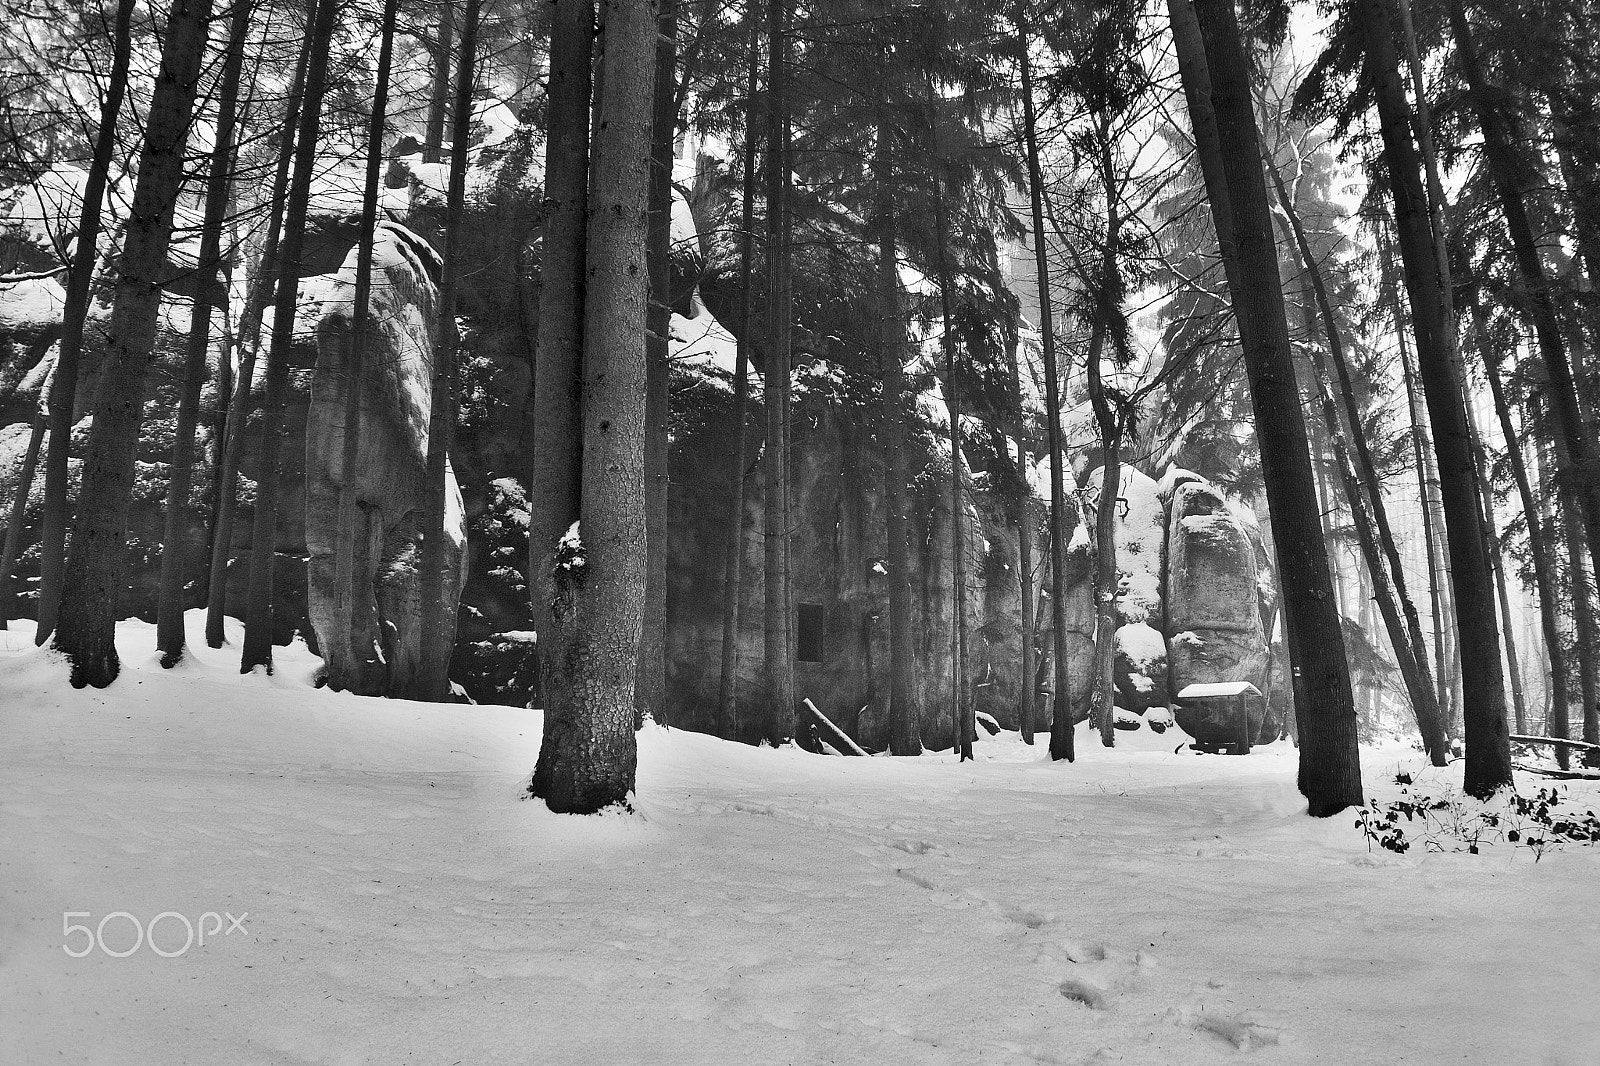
pixel 438 622
pixel 174 553
pixel 779 660
pixel 905 737
pixel 557 480
pixel 64 389
pixel 652 672
pixel 261 288
pixel 97 561
pixel 1497 556
pixel 355 357
pixel 1230 152
pixel 257 649
pixel 1102 698
pixel 1539 547
pixel 223 400
pixel 1578 466
pixel 19 504
pixel 1420 447
pixel 439 93
pixel 1109 419
pixel 589 756
pixel 1025 533
pixel 962 725
pixel 1411 650
pixel 1061 735
pixel 733 567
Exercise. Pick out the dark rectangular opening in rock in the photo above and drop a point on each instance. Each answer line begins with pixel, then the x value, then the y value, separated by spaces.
pixel 808 630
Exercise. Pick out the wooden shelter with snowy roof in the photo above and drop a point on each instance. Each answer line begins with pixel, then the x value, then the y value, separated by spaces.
pixel 1218 702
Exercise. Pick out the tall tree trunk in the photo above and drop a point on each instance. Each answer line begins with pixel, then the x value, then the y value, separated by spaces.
pixel 1578 465
pixel 1483 708
pixel 1230 153
pixel 1231 156
pixel 438 622
pixel 64 388
pixel 19 503
pixel 728 724
pixel 589 756
pixel 1109 419
pixel 98 558
pixel 652 672
pixel 1362 483
pixel 355 357
pixel 905 737
pixel 1025 531
pixel 439 93
pixel 556 480
pixel 962 725
pixel 257 650
pixel 174 550
pixel 1061 735
pixel 256 300
pixel 779 659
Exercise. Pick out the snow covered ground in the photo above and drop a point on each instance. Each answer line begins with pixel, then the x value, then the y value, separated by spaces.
pixel 402 905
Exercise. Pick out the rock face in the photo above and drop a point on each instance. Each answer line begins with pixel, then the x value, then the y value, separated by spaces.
pixel 838 543
pixel 1213 614
pixel 378 651
pixel 1189 569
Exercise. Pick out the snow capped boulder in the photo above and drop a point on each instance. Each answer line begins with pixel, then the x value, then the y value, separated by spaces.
pixel 376 650
pixel 1141 667
pixel 1213 619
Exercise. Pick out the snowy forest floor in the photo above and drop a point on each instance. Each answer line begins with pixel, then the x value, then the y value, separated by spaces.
pixel 761 907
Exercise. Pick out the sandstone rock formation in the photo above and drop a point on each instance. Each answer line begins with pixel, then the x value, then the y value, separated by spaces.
pixel 377 650
pixel 1214 624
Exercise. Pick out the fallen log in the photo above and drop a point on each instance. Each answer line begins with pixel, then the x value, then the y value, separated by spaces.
pixel 837 737
pixel 1557 741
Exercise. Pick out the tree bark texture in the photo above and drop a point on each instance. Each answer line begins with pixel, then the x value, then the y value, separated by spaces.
pixel 556 480
pixel 589 756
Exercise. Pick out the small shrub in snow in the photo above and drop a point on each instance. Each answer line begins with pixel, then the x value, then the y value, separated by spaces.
pixel 1451 822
